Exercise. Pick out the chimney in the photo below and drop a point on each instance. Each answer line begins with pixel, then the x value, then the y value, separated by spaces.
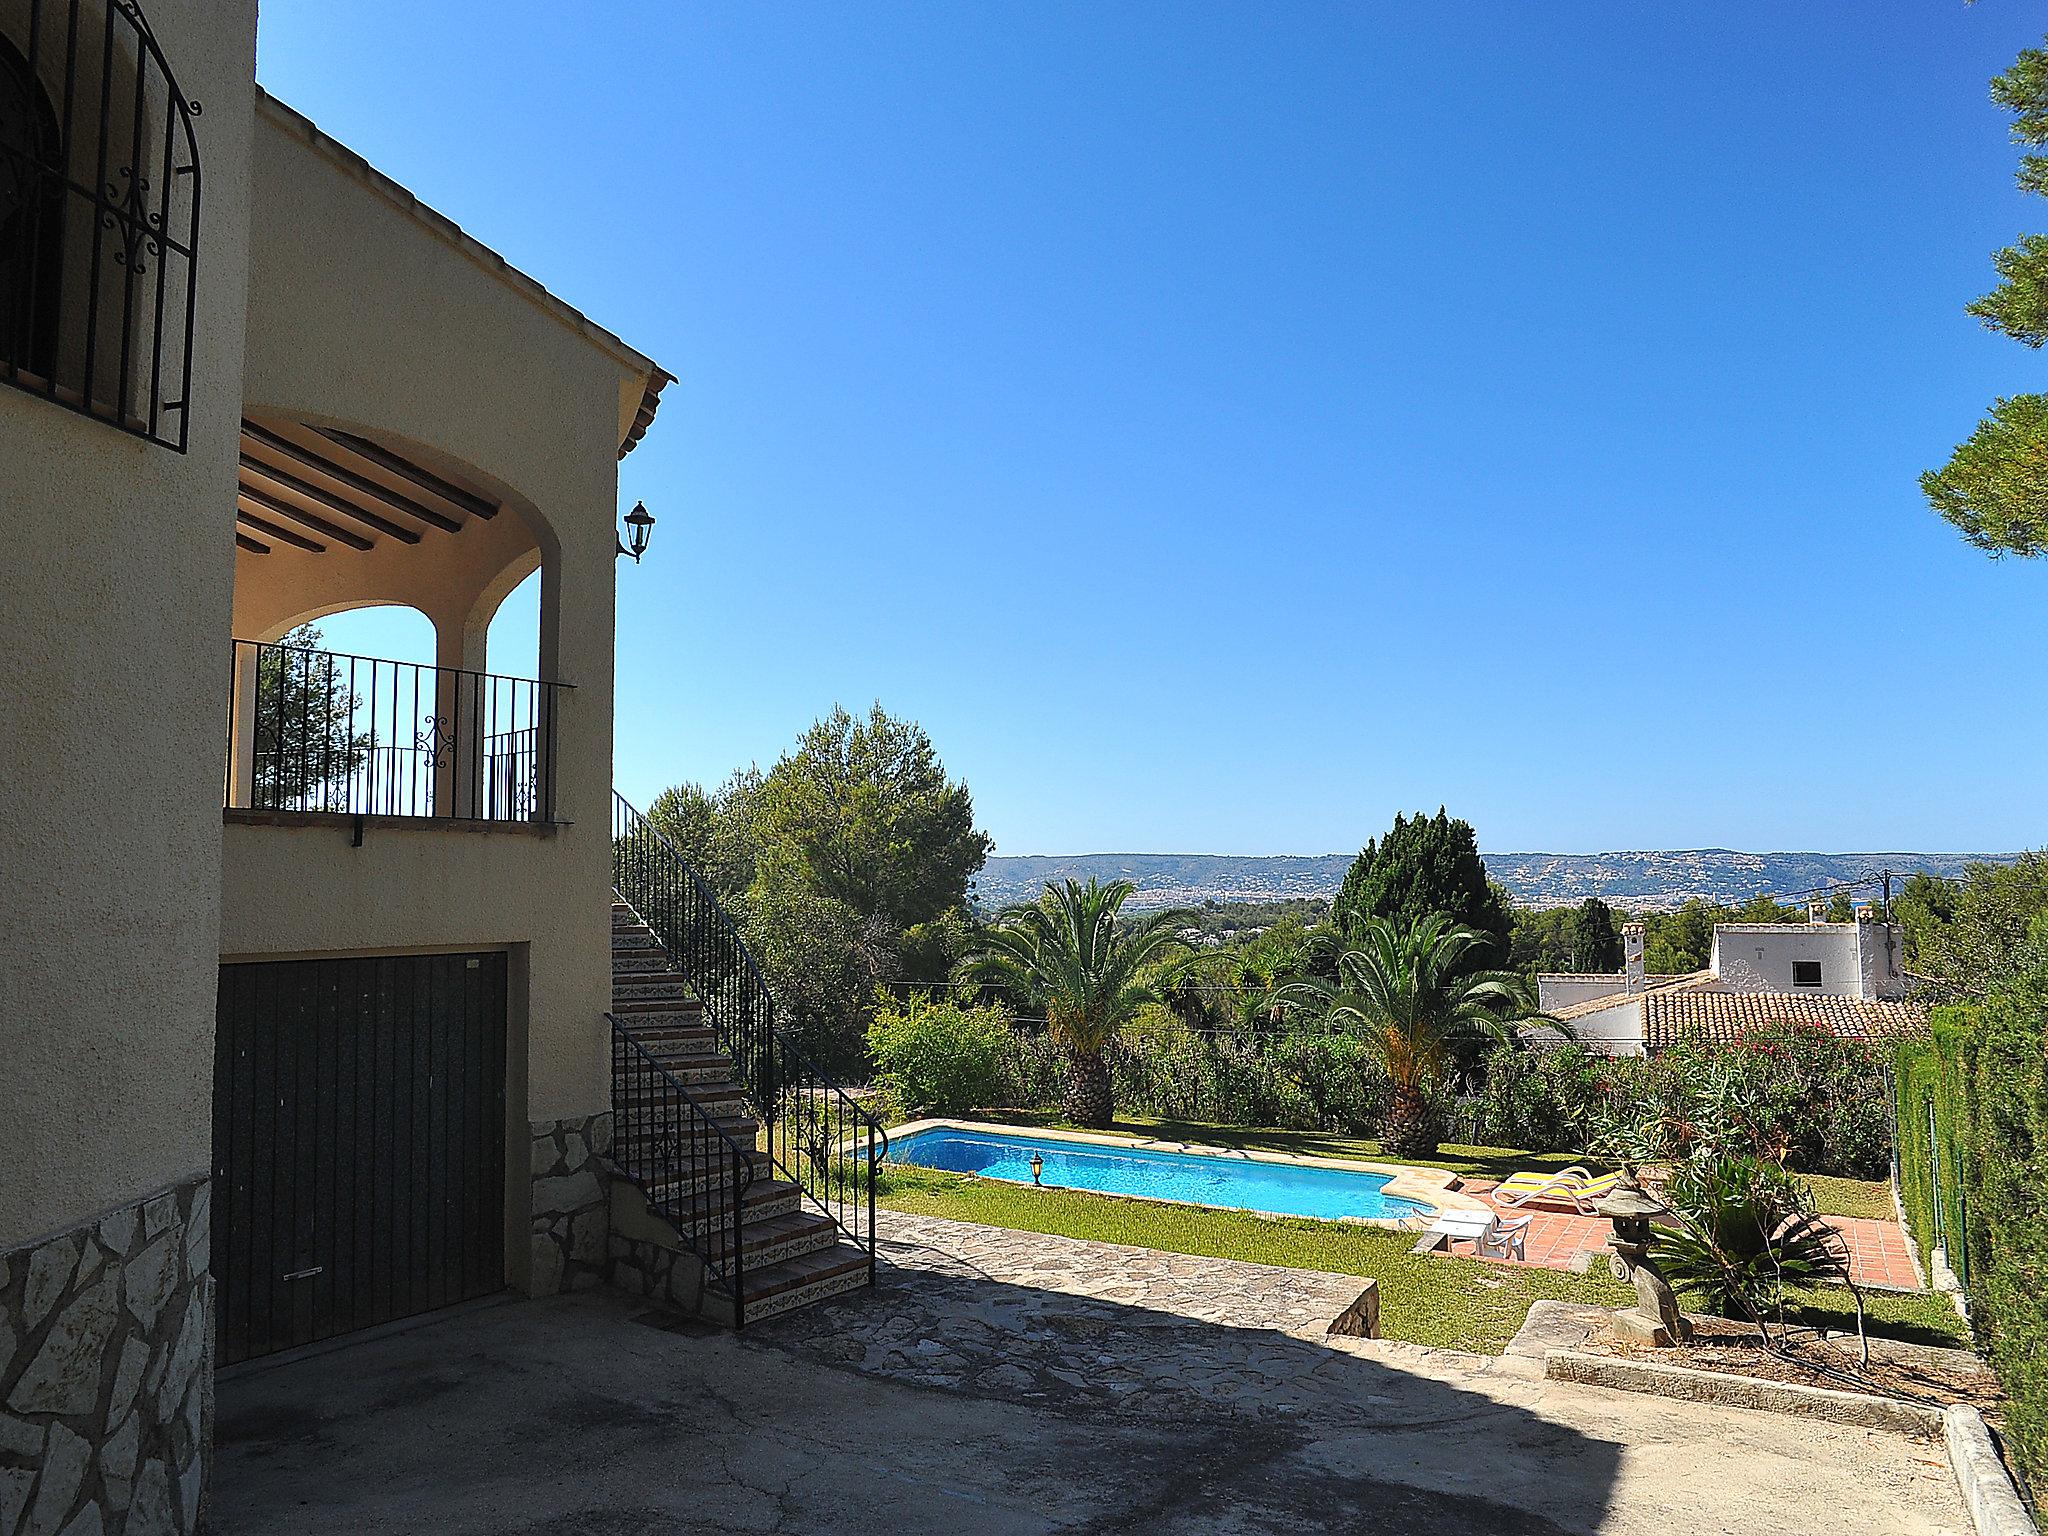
pixel 1632 955
pixel 1816 909
pixel 1878 973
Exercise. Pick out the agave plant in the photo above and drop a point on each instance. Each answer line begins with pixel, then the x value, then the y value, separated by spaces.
pixel 1411 994
pixel 1091 969
pixel 1746 1232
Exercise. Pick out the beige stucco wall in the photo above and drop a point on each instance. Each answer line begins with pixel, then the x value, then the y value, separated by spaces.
pixel 363 316
pixel 111 627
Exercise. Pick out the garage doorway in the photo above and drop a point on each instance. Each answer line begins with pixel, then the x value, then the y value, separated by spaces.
pixel 358 1144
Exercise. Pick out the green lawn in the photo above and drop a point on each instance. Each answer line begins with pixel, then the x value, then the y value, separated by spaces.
pixel 1457 1303
pixel 1460 1303
pixel 1871 1198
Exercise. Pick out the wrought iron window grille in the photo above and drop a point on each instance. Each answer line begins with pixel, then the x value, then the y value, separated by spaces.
pixel 99 216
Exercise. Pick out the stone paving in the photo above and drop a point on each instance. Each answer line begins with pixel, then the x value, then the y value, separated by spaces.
pixel 989 1385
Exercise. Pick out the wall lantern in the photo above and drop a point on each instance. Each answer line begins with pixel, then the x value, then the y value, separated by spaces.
pixel 639 531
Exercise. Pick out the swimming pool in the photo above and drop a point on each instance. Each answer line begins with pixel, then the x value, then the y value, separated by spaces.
pixel 1276 1189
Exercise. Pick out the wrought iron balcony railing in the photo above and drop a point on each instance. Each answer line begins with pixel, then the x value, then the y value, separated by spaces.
pixel 321 732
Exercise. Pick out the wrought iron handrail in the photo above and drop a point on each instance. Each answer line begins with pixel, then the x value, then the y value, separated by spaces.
pixel 689 1168
pixel 333 733
pixel 816 1135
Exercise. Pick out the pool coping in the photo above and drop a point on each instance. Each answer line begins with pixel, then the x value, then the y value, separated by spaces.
pixel 1434 1187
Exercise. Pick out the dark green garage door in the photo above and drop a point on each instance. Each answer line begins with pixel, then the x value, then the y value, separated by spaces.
pixel 358 1144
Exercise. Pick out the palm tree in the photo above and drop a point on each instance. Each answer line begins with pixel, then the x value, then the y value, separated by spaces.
pixel 1071 952
pixel 1411 994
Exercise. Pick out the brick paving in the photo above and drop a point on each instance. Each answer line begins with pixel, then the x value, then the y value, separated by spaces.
pixel 1877 1249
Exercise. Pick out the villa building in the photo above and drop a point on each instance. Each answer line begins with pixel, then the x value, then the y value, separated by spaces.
pixel 1842 977
pixel 316 1008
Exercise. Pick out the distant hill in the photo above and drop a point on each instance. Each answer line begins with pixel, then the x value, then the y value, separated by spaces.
pixel 1647 880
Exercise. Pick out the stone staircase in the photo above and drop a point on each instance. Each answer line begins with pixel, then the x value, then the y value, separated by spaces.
pixel 792 1255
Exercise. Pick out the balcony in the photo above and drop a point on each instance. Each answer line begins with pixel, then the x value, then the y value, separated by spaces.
pixel 323 734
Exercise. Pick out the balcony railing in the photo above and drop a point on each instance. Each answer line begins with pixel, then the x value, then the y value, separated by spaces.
pixel 326 733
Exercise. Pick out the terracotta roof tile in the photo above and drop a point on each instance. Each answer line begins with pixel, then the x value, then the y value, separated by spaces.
pixel 1700 1014
pixel 1654 986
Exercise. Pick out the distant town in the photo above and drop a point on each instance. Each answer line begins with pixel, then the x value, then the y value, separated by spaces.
pixel 1653 880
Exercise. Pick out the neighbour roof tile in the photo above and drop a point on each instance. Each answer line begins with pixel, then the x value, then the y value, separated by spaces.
pixel 1677 1014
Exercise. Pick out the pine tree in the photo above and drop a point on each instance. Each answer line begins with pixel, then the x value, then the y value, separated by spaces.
pixel 1426 866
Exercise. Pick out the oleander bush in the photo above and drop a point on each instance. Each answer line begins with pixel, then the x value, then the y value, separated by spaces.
pixel 938 1056
pixel 1808 1099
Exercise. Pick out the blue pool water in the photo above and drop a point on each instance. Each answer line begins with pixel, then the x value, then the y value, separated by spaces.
pixel 1279 1189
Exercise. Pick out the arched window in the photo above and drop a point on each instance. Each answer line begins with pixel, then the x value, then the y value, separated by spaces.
pixel 99 215
pixel 29 202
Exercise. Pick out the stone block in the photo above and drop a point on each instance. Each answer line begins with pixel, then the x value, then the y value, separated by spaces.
pixel 553 1196
pixel 587 1233
pixel 15 1483
pixel 50 1269
pixel 117 1230
pixel 151 1276
pixel 199 1232
pixel 117 1459
pixel 128 1376
pixel 186 1358
pixel 152 1514
pixel 20 1438
pixel 1360 1320
pixel 546 1256
pixel 65 1458
pixel 64 1376
pixel 159 1215
pixel 88 1522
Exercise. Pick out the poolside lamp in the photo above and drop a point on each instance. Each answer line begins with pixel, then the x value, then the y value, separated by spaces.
pixel 639 531
pixel 1037 1168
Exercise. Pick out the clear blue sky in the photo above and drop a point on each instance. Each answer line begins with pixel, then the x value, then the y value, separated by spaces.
pixel 1225 425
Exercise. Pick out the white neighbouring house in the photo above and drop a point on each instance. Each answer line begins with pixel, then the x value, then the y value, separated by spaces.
pixel 1842 977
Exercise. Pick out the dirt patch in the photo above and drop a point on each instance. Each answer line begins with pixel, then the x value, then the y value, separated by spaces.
pixel 1910 1372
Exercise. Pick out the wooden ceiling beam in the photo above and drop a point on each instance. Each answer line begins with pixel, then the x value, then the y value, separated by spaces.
pixel 339 505
pixel 243 541
pixel 283 535
pixel 319 525
pixel 405 469
pixel 362 485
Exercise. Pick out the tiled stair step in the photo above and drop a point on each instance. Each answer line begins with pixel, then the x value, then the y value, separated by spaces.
pixel 674 992
pixel 773 1240
pixel 649 963
pixel 682 1180
pixel 764 1239
pixel 702 1072
pixel 705 1084
pixel 668 1036
pixel 677 1005
pixel 721 1100
pixel 766 1198
pixel 774 1289
pixel 743 1130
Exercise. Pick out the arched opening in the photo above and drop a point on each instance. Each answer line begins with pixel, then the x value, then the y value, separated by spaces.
pixel 514 644
pixel 423 690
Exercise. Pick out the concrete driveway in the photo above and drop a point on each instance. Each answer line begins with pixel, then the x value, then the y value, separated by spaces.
pixel 592 1416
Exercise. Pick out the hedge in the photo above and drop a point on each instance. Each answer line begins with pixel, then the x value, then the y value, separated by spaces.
pixel 1973 1178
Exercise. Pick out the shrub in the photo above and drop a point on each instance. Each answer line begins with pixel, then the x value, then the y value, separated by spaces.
pixel 1746 1231
pixel 936 1055
pixel 1796 1094
pixel 1976 1180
